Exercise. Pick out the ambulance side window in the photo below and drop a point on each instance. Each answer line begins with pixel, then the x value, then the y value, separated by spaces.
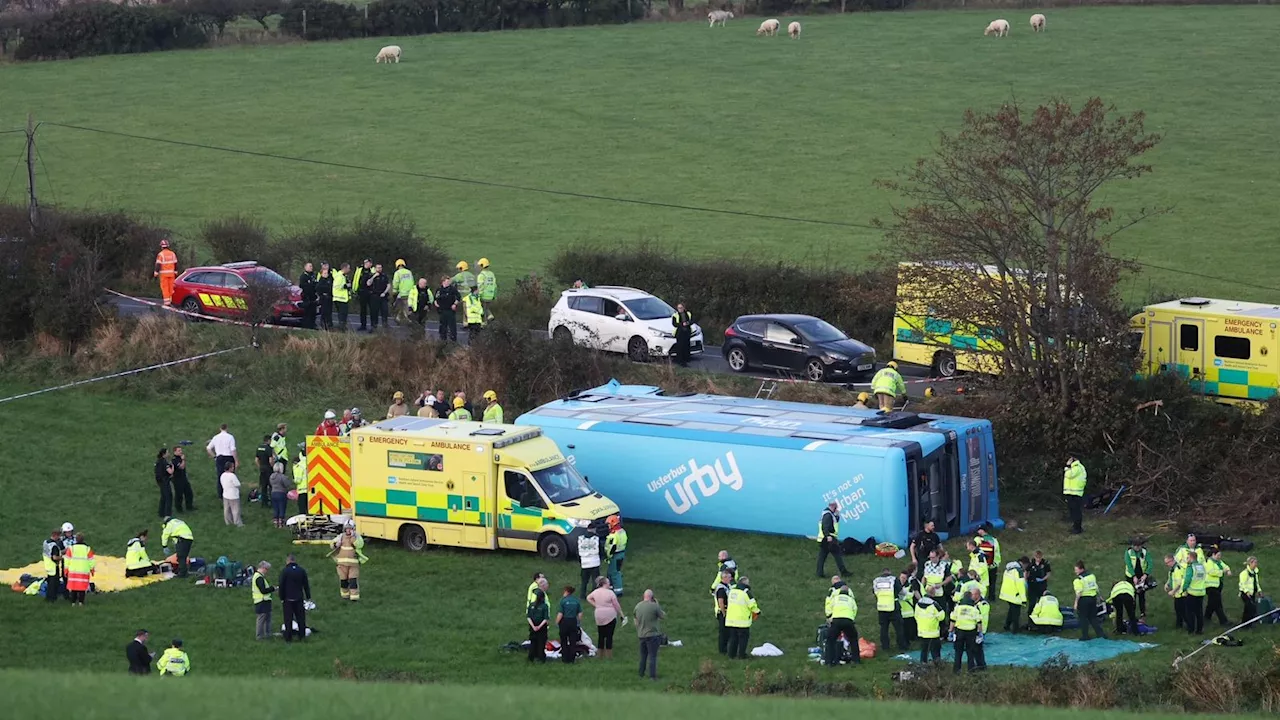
pixel 1189 337
pixel 521 491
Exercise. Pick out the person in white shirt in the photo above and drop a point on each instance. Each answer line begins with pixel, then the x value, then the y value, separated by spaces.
pixel 230 496
pixel 222 448
pixel 589 554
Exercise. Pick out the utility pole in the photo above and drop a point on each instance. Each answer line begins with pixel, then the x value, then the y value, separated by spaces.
pixel 33 206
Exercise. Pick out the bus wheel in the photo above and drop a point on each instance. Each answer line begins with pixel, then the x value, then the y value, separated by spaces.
pixel 413 538
pixel 553 547
pixel 944 365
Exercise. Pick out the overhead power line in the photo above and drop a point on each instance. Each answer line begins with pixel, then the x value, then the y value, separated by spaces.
pixel 558 193
pixel 469 181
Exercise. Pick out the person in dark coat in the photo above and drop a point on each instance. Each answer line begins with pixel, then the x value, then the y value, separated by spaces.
pixel 379 291
pixel 310 301
pixel 295 590
pixel 324 296
pixel 447 301
pixel 164 481
pixel 183 499
pixel 137 654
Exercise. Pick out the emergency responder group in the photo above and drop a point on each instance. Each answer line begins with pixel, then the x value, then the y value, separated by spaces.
pixel 400 296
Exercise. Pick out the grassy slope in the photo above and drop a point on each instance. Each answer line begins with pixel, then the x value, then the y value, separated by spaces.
pixel 671 113
pixel 440 616
pixel 116 697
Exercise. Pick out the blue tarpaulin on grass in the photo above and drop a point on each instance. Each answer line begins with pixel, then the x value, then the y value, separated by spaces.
pixel 1031 650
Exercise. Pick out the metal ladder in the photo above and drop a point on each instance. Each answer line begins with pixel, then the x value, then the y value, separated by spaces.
pixel 767 388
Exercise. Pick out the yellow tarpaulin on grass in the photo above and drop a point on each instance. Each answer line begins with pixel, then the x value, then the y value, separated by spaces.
pixel 108 575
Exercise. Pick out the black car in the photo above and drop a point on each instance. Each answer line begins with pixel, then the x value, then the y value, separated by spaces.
pixel 800 343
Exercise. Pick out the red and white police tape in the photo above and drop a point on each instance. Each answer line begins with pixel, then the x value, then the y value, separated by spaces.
pixel 135 371
pixel 865 384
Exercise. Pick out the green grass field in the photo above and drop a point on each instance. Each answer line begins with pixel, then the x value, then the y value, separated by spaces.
pixel 86 457
pixel 672 113
pixel 101 696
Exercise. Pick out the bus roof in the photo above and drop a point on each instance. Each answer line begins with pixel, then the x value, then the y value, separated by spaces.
pixel 747 420
pixel 1214 306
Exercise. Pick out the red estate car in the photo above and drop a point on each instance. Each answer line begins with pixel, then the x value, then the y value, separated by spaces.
pixel 222 290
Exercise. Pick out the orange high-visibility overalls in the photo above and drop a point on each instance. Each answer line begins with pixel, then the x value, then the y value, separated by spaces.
pixel 167 271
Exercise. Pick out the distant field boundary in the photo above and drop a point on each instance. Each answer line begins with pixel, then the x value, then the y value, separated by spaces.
pixel 58 30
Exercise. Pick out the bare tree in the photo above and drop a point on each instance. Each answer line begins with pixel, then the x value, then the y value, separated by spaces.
pixel 263 296
pixel 1003 244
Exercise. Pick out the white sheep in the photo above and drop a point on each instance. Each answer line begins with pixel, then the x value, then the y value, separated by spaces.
pixel 1037 22
pixel 387 54
pixel 999 28
pixel 718 16
pixel 768 27
pixel 794 30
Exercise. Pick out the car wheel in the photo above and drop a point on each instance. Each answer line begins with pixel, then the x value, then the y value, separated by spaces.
pixel 815 371
pixel 737 359
pixel 562 335
pixel 553 547
pixel 413 538
pixel 638 349
pixel 191 305
pixel 944 365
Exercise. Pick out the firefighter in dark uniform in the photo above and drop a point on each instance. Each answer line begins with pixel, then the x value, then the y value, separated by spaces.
pixel 829 539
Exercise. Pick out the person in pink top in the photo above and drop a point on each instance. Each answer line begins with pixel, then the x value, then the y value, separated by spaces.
pixel 605 601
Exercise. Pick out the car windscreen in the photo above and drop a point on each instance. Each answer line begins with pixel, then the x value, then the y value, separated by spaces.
pixel 270 277
pixel 820 331
pixel 562 483
pixel 649 308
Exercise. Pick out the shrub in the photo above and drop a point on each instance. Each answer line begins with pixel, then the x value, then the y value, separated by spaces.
pixel 401 17
pixel 717 291
pixel 381 236
pixel 241 237
pixel 321 20
pixel 103 28
pixel 57 271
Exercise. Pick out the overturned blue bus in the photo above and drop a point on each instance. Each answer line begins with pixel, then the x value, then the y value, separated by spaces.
pixel 771 467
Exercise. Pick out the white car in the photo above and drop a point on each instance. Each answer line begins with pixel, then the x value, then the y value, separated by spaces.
pixel 618 319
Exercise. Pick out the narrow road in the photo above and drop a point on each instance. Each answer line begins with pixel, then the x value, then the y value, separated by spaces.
pixel 710 361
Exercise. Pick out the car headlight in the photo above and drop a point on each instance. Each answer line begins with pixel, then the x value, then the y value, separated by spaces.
pixel 578 522
pixel 660 333
pixel 834 357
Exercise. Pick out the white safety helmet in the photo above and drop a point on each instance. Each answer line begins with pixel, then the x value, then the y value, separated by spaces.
pixel 351 525
pixel 329 415
pixel 68 527
pixel 355 412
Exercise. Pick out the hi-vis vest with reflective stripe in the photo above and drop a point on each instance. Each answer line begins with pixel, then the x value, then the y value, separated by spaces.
pixel 907 602
pixel 843 606
pixel 168 262
pixel 1086 585
pixel 300 475
pixel 934 575
pixel 1249 581
pixel 253 586
pixel 1198 586
pixel 176 529
pixel 472 309
pixel 1124 587
pixel 341 293
pixel 966 617
pixel 1213 572
pixel 174 662
pixel 1074 479
pixel 460 414
pixel 487 284
pixel 1013 589
pixel 882 587
pixel 835 525
pixel 1047 612
pixel 135 556
pixel 741 607
pixel 928 618
pixel 493 413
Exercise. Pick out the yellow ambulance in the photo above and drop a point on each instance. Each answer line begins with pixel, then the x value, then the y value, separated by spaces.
pixel 426 481
pixel 1226 349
